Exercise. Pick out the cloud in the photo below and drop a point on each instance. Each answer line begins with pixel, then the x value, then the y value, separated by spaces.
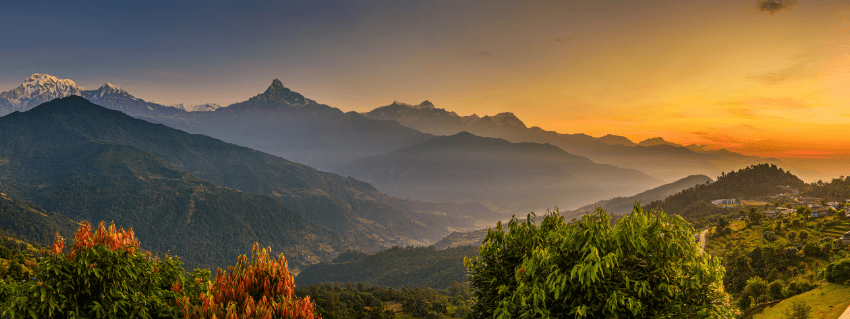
pixel 773 6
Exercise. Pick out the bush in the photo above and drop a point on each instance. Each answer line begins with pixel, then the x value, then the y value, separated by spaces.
pixel 589 269
pixel 838 272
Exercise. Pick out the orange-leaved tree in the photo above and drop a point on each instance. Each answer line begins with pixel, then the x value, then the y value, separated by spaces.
pixel 259 288
pixel 104 275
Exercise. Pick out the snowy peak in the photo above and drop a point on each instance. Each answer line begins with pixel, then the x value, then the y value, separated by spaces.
pixel 37 89
pixel 108 92
pixel 208 107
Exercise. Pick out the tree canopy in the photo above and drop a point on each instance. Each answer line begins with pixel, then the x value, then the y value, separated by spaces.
pixel 644 266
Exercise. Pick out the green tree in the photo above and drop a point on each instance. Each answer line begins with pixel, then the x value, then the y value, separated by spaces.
pixel 645 266
pixel 774 290
pixel 756 287
pixel 755 216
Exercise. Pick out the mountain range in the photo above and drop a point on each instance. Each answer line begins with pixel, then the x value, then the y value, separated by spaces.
pixel 656 157
pixel 284 123
pixel 512 177
pixel 89 162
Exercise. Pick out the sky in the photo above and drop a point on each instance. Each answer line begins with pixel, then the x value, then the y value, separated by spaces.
pixel 759 77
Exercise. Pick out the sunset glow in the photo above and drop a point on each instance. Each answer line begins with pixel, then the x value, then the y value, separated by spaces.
pixel 722 74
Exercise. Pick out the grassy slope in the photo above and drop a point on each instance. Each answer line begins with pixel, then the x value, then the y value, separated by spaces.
pixel 827 301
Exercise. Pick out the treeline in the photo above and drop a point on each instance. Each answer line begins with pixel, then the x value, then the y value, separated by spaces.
pixel 396 267
pixel 838 189
pixel 753 181
pixel 377 302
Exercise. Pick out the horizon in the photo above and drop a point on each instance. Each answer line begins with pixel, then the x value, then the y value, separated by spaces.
pixel 759 80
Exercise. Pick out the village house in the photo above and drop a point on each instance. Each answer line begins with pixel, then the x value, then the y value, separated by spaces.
pixel 718 202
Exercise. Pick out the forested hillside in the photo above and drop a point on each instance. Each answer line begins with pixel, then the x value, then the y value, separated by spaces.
pixel 27 221
pixel 396 267
pixel 371 219
pixel 84 179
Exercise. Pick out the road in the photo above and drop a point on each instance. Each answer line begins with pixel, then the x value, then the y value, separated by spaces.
pixel 702 238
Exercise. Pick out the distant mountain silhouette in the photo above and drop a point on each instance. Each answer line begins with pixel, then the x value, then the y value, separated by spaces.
pixel 511 176
pixel 664 160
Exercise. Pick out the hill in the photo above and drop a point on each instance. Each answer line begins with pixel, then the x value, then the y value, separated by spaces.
pixel 506 176
pixel 623 205
pixel 753 181
pixel 396 267
pixel 457 239
pixel 356 209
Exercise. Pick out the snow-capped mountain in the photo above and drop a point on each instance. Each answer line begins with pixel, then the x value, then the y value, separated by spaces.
pixel 37 89
pixel 113 97
pixel 197 108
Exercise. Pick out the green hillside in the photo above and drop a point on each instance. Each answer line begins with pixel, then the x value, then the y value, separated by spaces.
pixel 396 267
pixel 169 210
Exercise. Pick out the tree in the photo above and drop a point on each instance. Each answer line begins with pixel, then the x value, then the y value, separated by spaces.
pixel 104 275
pixel 803 236
pixel 755 216
pixel 646 265
pixel 756 287
pixel 838 272
pixel 774 290
pixel 259 288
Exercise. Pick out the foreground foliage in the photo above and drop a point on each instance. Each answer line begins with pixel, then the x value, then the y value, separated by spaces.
pixel 105 275
pixel 645 266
